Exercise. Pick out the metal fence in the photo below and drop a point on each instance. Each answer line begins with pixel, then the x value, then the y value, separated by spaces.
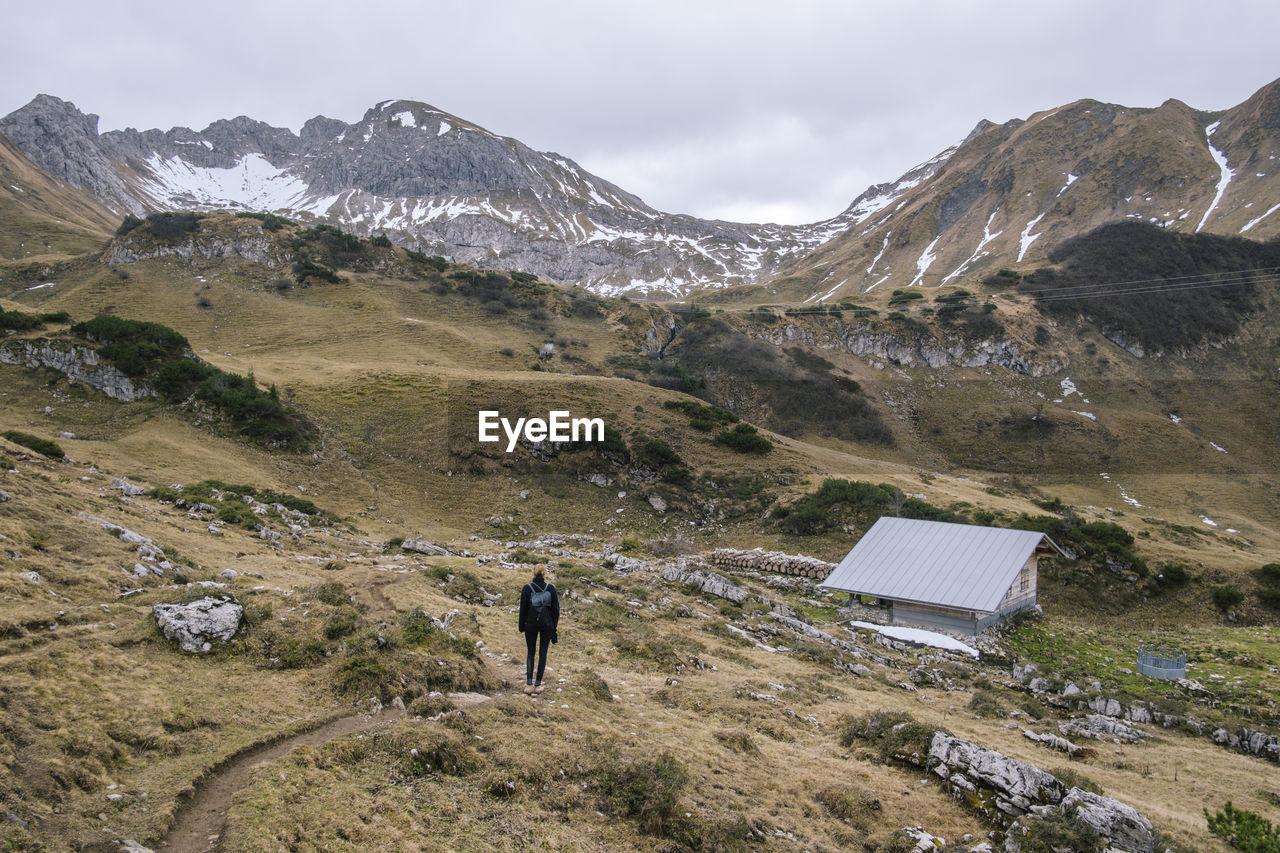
pixel 1162 662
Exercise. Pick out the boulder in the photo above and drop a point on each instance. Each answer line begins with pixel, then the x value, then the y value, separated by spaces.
pixel 1119 824
pixel 194 626
pixel 123 486
pixel 1099 727
pixel 1017 785
pixel 657 503
pixel 622 562
pixel 422 546
pixel 4 496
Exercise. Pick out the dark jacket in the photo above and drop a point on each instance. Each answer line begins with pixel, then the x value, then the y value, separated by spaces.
pixel 526 604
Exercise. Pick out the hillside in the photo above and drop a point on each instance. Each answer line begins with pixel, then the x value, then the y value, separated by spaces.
pixel 694 712
pixel 1010 193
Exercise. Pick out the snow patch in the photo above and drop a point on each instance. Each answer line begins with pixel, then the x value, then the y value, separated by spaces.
pixel 927 257
pixel 1209 521
pixel 1090 415
pixel 919 636
pixel 1217 448
pixel 1071 179
pixel 42 286
pixel 987 237
pixel 1069 388
pixel 445 127
pixel 1175 419
pixel 1227 174
pixel 880 253
pixel 406 119
pixel 1027 237
pixel 252 183
pixel 1254 222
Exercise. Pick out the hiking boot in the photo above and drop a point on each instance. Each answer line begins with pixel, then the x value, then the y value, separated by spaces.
pixel 538 688
pixel 528 687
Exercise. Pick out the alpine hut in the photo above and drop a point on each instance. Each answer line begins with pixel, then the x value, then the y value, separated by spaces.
pixel 953 577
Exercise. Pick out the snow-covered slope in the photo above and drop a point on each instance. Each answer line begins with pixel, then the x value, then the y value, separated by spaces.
pixel 430 181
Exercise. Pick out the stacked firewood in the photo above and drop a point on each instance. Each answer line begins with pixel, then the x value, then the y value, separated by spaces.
pixel 773 561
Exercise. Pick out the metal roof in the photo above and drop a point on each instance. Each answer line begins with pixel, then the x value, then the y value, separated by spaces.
pixel 932 562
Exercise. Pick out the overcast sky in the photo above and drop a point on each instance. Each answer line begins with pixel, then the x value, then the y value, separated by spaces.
pixel 744 110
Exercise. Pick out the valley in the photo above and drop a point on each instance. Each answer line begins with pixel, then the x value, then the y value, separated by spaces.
pixel 277 416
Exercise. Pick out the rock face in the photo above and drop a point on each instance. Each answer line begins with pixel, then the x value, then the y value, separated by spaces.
pixel 196 625
pixel 78 362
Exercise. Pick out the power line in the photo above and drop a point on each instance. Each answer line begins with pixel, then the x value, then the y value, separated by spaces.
pixel 1102 291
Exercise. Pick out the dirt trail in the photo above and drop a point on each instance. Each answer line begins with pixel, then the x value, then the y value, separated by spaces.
pixel 201 819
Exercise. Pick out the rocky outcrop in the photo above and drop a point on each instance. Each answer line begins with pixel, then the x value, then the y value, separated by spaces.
pixel 984 777
pixel 883 348
pixel 1015 785
pixel 196 625
pixel 259 250
pixel 79 362
pixel 707 582
pixel 422 546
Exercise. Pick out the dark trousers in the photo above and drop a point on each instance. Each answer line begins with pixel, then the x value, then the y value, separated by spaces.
pixel 531 639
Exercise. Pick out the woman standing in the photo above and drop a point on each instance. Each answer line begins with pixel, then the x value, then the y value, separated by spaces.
pixel 539 616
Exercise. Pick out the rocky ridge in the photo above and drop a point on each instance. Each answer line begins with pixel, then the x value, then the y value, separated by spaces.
pixel 431 181
pixel 1012 192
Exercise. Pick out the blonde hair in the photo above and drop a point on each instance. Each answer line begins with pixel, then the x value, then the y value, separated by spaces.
pixel 539 573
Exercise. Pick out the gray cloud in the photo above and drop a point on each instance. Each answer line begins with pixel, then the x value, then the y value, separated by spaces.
pixel 740 110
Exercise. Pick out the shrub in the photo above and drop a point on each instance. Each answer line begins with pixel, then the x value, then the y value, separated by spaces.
pixel 43 446
pixel 382 241
pixel 895 734
pixel 1268 574
pixel 644 789
pixel 901 296
pixel 744 439
pixel 363 675
pixel 270 221
pixel 1172 576
pixel 18 321
pixel 171 225
pixel 332 593
pixel 1055 830
pixel 1225 597
pixel 1245 830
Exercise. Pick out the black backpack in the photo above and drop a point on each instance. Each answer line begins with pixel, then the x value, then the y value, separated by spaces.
pixel 541 610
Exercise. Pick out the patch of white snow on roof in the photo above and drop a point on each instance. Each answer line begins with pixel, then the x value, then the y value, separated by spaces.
pixel 445 127
pixel 1027 237
pixel 1227 174
pixel 406 119
pixel 927 257
pixel 1217 448
pixel 1254 222
pixel 918 636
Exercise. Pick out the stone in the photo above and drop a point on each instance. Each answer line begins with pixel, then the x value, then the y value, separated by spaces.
pixel 422 546
pixel 1099 727
pixel 4 496
pixel 128 489
pixel 1022 785
pixel 596 479
pixel 194 626
pixel 657 503
pixel 227 574
pixel 33 577
pixel 1120 824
